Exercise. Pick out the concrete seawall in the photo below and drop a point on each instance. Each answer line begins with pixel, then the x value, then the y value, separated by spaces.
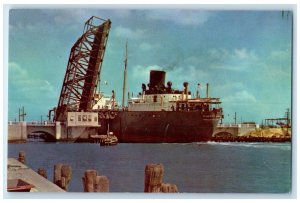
pixel 17 170
pixel 17 132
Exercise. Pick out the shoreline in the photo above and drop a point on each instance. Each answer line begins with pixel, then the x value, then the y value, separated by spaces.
pixel 218 139
pixel 251 139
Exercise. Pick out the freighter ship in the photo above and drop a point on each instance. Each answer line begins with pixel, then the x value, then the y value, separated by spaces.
pixel 162 114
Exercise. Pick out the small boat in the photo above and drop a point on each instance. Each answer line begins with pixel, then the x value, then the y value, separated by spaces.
pixel 18 185
pixel 108 140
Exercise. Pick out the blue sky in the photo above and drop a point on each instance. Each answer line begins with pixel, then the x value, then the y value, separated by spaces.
pixel 245 56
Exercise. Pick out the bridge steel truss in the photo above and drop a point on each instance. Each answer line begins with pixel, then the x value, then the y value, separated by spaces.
pixel 83 69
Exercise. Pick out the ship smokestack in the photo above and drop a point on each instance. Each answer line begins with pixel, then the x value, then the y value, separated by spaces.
pixel 198 91
pixel 186 84
pixel 169 84
pixel 157 79
pixel 207 90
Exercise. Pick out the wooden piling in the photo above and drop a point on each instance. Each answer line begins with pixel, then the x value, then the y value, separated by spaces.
pixel 154 180
pixel 169 188
pixel 57 174
pixel 22 157
pixel 62 175
pixel 66 174
pixel 42 172
pixel 94 183
pixel 88 180
pixel 102 184
pixel 153 177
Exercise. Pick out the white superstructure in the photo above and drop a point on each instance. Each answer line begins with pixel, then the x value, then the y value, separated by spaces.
pixel 156 102
pixel 104 102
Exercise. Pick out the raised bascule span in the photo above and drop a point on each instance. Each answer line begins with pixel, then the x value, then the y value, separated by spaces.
pixel 83 69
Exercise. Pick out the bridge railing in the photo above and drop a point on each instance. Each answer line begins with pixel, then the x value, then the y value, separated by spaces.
pixel 44 123
pixel 241 125
pixel 227 125
pixel 32 123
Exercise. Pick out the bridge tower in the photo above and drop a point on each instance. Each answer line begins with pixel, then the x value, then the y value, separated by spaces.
pixel 83 69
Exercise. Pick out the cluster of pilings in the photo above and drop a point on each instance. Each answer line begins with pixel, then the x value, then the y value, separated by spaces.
pixel 93 182
pixel 62 175
pixel 154 180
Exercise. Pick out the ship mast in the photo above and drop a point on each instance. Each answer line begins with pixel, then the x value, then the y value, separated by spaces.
pixel 124 79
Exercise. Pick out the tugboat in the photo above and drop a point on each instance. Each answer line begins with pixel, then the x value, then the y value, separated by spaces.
pixel 108 140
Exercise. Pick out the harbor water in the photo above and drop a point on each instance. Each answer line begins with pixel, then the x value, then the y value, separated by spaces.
pixel 194 167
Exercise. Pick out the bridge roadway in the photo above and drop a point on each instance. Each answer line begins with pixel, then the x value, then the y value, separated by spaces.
pixel 21 130
pixel 18 131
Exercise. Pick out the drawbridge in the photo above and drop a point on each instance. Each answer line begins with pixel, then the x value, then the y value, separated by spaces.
pixel 83 69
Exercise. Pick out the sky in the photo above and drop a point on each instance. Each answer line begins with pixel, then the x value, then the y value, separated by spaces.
pixel 245 56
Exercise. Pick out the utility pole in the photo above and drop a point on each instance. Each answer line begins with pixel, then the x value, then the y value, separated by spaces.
pixel 235 118
pixel 124 79
pixel 22 114
pixel 288 117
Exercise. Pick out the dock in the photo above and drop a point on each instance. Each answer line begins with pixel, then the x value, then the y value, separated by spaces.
pixel 16 171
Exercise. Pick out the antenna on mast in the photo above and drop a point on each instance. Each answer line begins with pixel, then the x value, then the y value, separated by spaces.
pixel 124 79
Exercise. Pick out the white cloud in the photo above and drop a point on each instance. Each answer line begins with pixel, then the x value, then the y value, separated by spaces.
pixel 244 54
pixel 189 73
pixel 219 58
pixel 280 54
pixel 128 33
pixel 233 60
pixel 141 73
pixel 47 86
pixel 25 82
pixel 240 97
pixel 229 87
pixel 235 54
pixel 276 66
pixel 180 17
pixel 121 13
pixel 70 16
pixel 145 46
pixel 21 27
pixel 16 71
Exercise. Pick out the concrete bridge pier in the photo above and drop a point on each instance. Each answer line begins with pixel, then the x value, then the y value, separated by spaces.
pixel 57 130
pixel 23 130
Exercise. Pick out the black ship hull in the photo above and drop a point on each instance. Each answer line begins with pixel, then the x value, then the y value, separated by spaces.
pixel 161 126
